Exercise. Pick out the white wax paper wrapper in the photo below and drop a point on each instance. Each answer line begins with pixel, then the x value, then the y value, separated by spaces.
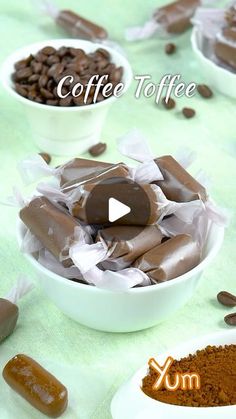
pixel 116 281
pixel 209 21
pixel 137 33
pixel 15 200
pixel 22 287
pixel 46 259
pixel 30 243
pixel 34 168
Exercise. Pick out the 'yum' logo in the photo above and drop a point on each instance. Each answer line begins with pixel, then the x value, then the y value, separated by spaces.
pixel 187 381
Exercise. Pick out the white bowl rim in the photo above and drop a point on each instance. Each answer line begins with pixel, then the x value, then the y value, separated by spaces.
pixel 211 63
pixel 147 289
pixel 134 380
pixel 79 43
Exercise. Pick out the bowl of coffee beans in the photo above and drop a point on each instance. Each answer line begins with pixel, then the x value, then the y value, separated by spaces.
pixel 66 88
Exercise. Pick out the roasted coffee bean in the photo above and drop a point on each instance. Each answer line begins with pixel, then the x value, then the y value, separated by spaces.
pixel 48 50
pixel 32 94
pixel 21 90
pixel 117 74
pixel 43 80
pixel 78 101
pixel 23 73
pixel 39 99
pixel 45 93
pixel 46 157
pixel 55 70
pixel 33 78
pixel 21 64
pixel 170 104
pixel 204 91
pixel 66 101
pixel 50 85
pixel 188 112
pixel 104 53
pixel 226 299
pixel 40 57
pixel 170 48
pixel 52 102
pixel 62 51
pixel 97 149
pixel 53 59
pixel 230 319
pixel 36 66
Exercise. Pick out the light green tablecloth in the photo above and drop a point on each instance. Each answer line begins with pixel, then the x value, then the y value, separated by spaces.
pixel 94 364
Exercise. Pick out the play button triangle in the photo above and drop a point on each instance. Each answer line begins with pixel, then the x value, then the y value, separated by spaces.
pixel 117 209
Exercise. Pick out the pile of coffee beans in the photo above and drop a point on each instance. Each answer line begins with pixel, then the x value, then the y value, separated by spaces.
pixel 37 76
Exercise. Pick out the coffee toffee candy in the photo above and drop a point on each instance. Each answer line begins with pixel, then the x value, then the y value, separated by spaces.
pixel 92 206
pixel 36 385
pixel 176 17
pixel 170 259
pixel 54 228
pixel 80 169
pixel 230 16
pixel 9 313
pixel 225 47
pixel 98 174
pixel 178 185
pixel 127 243
pixel 79 27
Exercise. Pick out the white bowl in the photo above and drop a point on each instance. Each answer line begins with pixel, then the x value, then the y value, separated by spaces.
pixel 135 309
pixel 64 130
pixel 131 403
pixel 221 78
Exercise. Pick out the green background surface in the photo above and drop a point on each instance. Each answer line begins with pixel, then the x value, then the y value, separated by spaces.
pixel 97 363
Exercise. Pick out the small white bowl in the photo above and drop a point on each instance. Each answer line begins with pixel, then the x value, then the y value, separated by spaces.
pixel 64 130
pixel 131 403
pixel 135 309
pixel 221 78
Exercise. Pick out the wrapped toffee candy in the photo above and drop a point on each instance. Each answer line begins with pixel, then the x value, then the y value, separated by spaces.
pixel 9 311
pixel 170 259
pixel 36 385
pixel 178 185
pixel 174 18
pixel 78 171
pixel 116 247
pixel 53 227
pixel 74 24
pixel 225 47
pixel 97 175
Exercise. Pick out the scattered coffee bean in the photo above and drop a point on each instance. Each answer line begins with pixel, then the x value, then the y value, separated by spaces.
pixel 37 76
pixel 170 104
pixel 46 157
pixel 188 112
pixel 170 48
pixel 97 149
pixel 230 319
pixel 204 91
pixel 226 299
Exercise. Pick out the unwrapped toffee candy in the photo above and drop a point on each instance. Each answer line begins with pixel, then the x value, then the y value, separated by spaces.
pixel 36 385
pixel 55 229
pixel 225 47
pixel 127 243
pixel 176 17
pixel 178 185
pixel 80 27
pixel 170 259
pixel 9 313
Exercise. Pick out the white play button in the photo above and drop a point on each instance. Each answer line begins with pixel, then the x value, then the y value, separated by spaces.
pixel 116 210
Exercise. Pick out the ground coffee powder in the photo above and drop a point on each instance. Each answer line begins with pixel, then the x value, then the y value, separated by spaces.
pixel 217 369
